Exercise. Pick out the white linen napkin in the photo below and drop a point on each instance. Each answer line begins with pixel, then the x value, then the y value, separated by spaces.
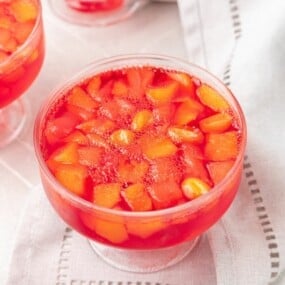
pixel 243 43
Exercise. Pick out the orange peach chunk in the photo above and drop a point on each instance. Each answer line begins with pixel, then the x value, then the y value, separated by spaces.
pixel 23 30
pixel 216 124
pixel 141 120
pixel 145 230
pixel 77 137
pixel 187 111
pixel 137 197
pixel 120 89
pixel 182 135
pixel 78 97
pixel 96 140
pixel 24 10
pixel 181 77
pixel 5 35
pixel 161 95
pixel 165 194
pixel 3 56
pixel 157 147
pixel 122 137
pixel 89 155
pixel 93 87
pixel 66 154
pixel 97 126
pixel 211 98
pixel 6 21
pixel 113 231
pixel 219 169
pixel 73 177
pixel 221 147
pixel 194 187
pixel 133 171
pixel 107 195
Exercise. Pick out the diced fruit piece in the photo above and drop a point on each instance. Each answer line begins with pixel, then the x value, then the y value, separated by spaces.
pixel 107 195
pixel 93 87
pixel 134 80
pixel 113 231
pixel 137 197
pixel 219 169
pixel 165 194
pixel 78 97
pixel 164 114
pixel 181 77
pixel 132 171
pixel 23 30
pixel 117 109
pixel 3 56
pixel 82 113
pixel 216 124
pixel 188 111
pixel 221 147
pixel 147 75
pixel 190 150
pixel 193 164
pixel 11 45
pixel 58 128
pixel 104 93
pixel 6 21
pixel 194 187
pixel 162 169
pixel 141 120
pixel 97 126
pixel 145 230
pixel 77 137
pixel 211 98
pixel 66 154
pixel 24 10
pixel 72 177
pixel 186 88
pixel 89 155
pixel 96 140
pixel 5 35
pixel 122 137
pixel 161 95
pixel 156 147
pixel 120 89
pixel 182 135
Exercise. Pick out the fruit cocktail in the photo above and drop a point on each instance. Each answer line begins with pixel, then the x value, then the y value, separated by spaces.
pixel 142 153
pixel 21 57
pixel 96 12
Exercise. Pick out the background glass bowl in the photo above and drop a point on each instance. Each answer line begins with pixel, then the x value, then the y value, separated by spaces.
pixel 142 241
pixel 75 11
pixel 17 73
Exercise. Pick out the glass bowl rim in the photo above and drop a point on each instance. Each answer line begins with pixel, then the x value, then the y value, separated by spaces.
pixel 79 77
pixel 30 38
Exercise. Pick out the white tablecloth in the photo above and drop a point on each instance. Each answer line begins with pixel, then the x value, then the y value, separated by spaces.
pixel 69 48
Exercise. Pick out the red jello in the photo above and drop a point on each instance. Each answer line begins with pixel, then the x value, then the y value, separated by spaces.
pixel 145 157
pixel 21 47
pixel 94 5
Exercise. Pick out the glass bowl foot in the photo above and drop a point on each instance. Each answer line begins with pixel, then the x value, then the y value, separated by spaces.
pixel 143 261
pixel 12 120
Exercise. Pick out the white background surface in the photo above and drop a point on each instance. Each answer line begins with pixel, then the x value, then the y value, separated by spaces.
pixel 154 29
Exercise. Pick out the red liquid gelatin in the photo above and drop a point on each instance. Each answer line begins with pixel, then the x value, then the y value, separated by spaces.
pixel 94 5
pixel 142 156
